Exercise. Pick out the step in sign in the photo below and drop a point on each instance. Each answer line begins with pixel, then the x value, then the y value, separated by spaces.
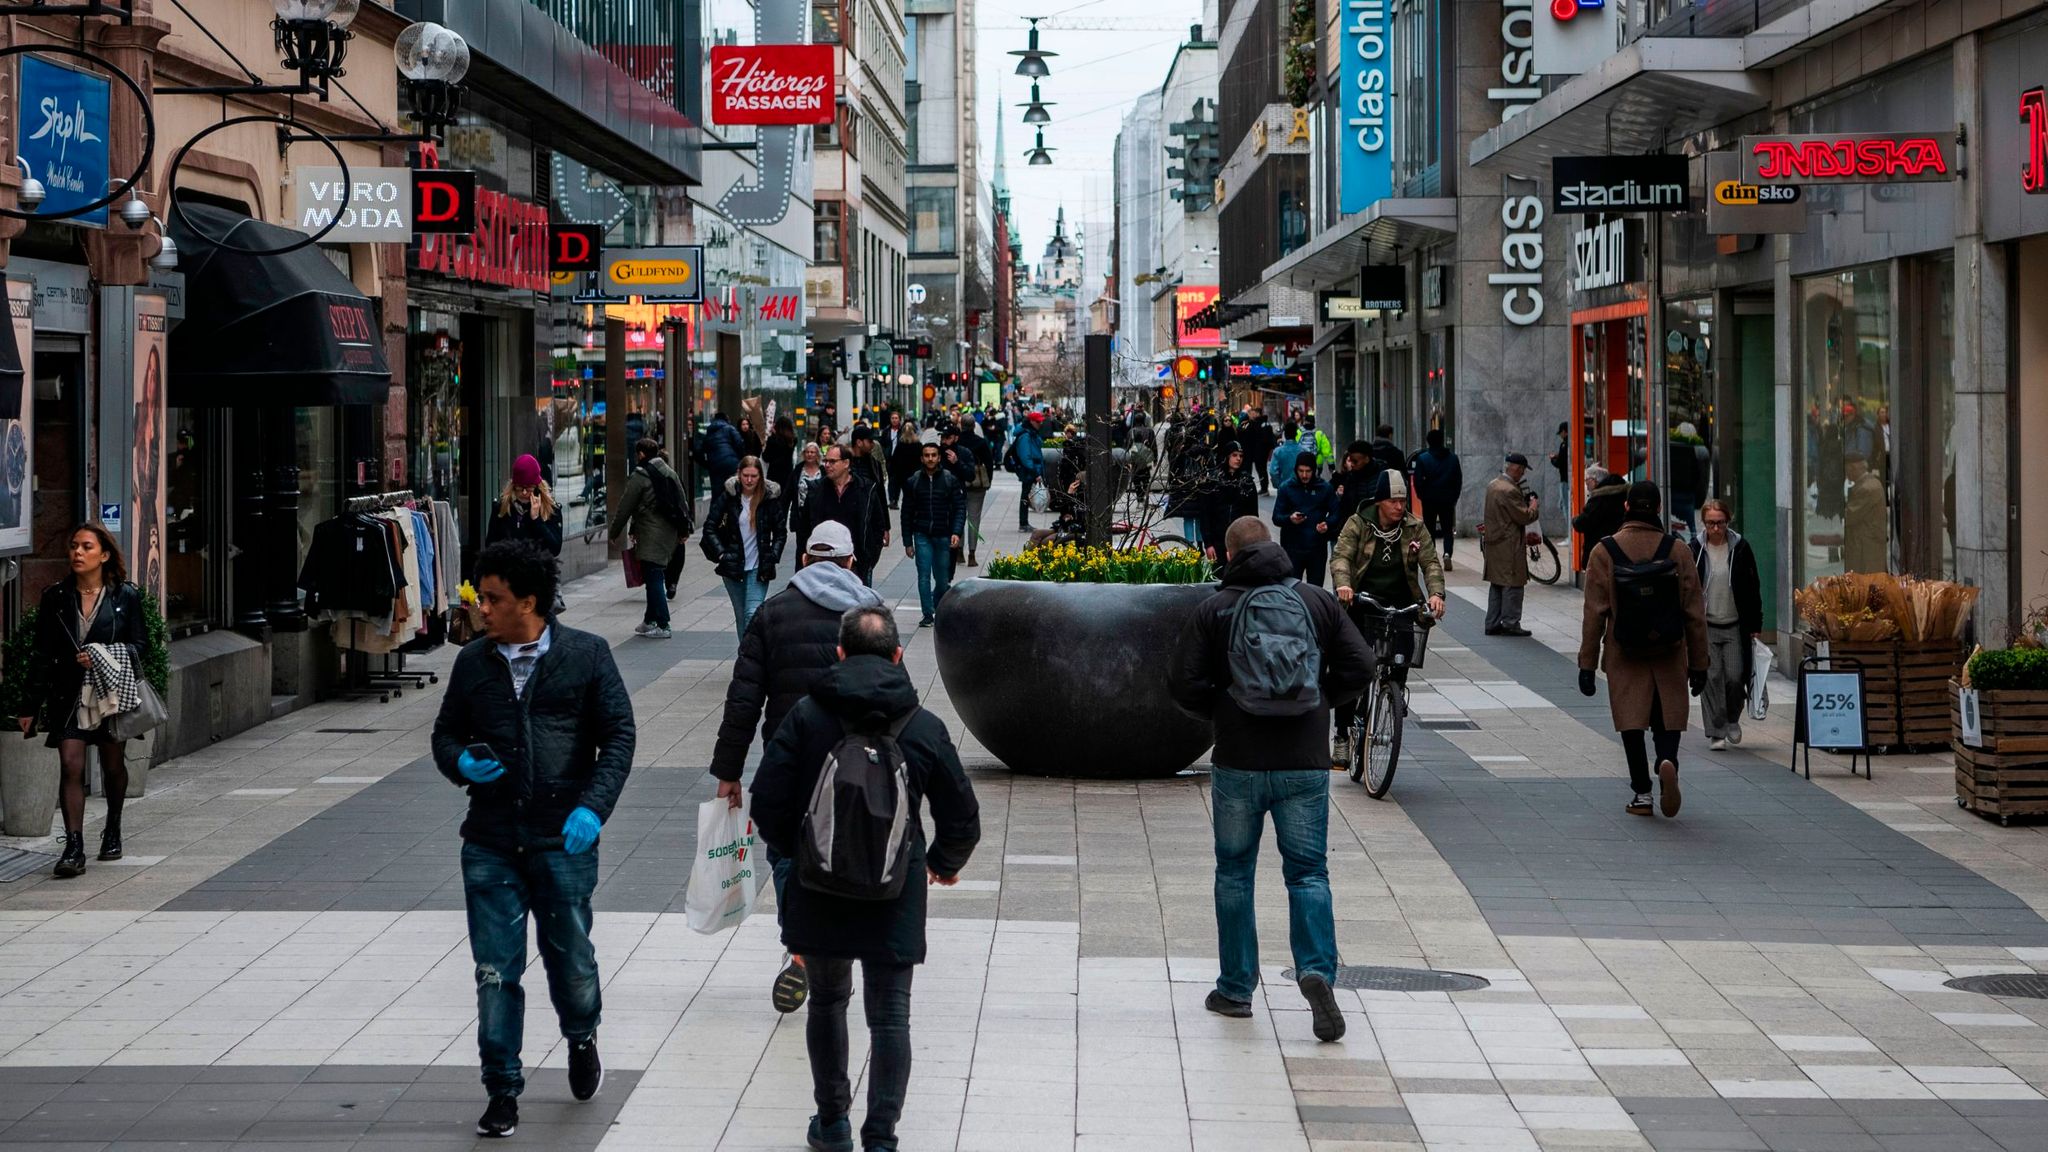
pixel 670 272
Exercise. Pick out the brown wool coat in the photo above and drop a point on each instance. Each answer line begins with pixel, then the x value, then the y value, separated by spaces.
pixel 1632 683
pixel 1505 520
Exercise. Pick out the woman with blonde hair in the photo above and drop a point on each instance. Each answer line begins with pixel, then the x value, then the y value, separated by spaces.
pixel 527 510
pixel 743 537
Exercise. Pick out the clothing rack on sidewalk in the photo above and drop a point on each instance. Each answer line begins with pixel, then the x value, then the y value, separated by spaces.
pixel 387 676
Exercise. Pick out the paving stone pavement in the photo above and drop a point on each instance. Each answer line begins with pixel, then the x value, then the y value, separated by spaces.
pixel 284 960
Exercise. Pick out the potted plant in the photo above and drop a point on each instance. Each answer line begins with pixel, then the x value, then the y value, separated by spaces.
pixel 29 772
pixel 2005 772
pixel 156 668
pixel 1056 659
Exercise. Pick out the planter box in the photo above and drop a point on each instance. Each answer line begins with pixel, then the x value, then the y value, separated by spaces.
pixel 2008 775
pixel 1905 688
pixel 1070 679
pixel 29 774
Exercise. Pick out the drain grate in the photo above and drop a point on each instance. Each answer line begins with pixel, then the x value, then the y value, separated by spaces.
pixel 1375 978
pixel 15 863
pixel 347 731
pixel 2025 985
pixel 1450 725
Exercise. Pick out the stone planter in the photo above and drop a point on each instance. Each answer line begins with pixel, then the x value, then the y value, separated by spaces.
pixel 29 774
pixel 1070 679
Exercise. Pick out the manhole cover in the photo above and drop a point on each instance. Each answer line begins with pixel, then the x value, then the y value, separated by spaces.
pixel 2028 985
pixel 15 863
pixel 1373 978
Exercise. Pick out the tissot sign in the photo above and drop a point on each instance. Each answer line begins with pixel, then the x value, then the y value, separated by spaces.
pixel 1869 158
pixel 772 84
pixel 1620 184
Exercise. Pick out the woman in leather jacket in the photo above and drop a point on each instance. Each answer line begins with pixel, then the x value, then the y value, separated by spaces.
pixel 93 605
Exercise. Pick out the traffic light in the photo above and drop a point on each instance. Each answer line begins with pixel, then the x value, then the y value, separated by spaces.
pixel 1185 367
pixel 1219 367
pixel 1201 157
pixel 1166 392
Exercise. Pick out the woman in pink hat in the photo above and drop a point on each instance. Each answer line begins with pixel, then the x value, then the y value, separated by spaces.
pixel 527 510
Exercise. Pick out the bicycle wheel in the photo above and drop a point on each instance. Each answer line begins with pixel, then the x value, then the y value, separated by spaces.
pixel 1544 565
pixel 1382 751
pixel 1358 742
pixel 1171 544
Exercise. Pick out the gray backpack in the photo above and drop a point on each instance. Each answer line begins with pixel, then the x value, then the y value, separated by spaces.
pixel 856 834
pixel 1276 660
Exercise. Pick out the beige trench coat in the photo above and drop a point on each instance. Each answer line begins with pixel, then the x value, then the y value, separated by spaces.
pixel 1632 682
pixel 1503 521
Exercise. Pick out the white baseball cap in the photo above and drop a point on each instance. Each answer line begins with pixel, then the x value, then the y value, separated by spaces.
pixel 830 541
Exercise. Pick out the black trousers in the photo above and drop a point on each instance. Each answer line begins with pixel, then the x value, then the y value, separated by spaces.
pixel 1633 745
pixel 885 994
pixel 1443 523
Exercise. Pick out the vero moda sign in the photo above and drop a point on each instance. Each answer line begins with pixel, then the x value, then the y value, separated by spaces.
pixel 762 84
pixel 1365 163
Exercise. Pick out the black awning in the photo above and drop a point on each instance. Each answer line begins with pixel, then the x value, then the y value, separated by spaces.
pixel 285 331
pixel 11 381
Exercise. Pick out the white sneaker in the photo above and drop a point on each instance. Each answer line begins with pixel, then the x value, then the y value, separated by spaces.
pixel 1735 733
pixel 1717 745
pixel 658 633
pixel 1340 751
pixel 643 629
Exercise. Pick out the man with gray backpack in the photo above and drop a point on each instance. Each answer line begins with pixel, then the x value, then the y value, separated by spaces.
pixel 839 792
pixel 1264 659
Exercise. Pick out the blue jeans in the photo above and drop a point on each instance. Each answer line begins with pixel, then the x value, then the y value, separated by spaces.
pixel 500 888
pixel 654 577
pixel 934 571
pixel 746 598
pixel 1299 800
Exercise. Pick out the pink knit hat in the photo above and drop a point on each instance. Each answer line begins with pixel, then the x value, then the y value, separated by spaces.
pixel 526 472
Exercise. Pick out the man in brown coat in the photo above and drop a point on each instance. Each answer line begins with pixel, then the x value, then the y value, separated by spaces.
pixel 1647 683
pixel 1503 529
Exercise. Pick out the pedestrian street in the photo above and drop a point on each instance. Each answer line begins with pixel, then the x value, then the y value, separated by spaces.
pixel 281 959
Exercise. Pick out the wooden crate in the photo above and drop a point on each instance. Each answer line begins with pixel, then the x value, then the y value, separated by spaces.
pixel 1905 688
pixel 2008 776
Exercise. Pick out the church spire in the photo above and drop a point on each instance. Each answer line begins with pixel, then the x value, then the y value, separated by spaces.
pixel 1002 186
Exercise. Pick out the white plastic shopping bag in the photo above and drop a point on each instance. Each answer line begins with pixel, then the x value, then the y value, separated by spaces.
pixel 723 886
pixel 1760 658
pixel 1040 498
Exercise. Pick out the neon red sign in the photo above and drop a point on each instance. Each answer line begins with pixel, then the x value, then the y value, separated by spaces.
pixel 2034 151
pixel 508 248
pixel 1868 159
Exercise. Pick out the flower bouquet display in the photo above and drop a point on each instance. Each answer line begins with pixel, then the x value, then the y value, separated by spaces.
pixel 1906 634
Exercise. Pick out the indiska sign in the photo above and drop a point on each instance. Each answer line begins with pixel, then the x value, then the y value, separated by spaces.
pixel 1869 158
pixel 772 84
pixel 2034 145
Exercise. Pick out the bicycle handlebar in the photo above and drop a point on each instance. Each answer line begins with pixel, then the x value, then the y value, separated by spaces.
pixel 1367 600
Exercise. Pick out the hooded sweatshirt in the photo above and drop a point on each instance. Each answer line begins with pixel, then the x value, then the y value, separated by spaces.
pixel 864 694
pixel 792 642
pixel 1200 680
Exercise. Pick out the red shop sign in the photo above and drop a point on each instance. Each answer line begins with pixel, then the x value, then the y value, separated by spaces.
pixel 772 84
pixel 1852 159
pixel 2034 146
pixel 508 248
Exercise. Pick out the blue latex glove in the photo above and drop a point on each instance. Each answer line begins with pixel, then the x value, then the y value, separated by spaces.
pixel 478 771
pixel 579 831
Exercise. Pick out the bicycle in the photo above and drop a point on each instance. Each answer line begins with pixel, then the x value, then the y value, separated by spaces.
pixel 1398 639
pixel 594 524
pixel 1545 566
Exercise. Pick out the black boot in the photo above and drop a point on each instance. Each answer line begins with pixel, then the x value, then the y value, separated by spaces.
pixel 72 862
pixel 110 841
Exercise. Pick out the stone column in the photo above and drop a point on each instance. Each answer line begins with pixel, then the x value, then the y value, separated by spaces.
pixel 1984 505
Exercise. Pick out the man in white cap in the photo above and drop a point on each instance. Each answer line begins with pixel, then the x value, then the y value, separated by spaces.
pixel 790 644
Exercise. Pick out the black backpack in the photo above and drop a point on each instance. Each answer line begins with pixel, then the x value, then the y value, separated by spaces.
pixel 1649 616
pixel 857 830
pixel 1275 657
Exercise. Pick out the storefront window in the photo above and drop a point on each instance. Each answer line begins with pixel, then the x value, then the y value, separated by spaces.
pixel 1689 405
pixel 931 221
pixel 316 447
pixel 439 417
pixel 1845 356
pixel 1923 450
pixel 189 517
pixel 1437 392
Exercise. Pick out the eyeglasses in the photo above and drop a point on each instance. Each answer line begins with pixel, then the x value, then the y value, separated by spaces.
pixel 1715 523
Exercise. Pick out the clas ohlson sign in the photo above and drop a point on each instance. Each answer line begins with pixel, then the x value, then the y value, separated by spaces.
pixel 1365 162
pixel 61 132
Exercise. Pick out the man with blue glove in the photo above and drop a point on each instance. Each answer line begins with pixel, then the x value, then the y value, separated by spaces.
pixel 537 725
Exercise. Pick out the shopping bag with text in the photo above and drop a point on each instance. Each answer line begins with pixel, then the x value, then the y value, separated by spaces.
pixel 723 885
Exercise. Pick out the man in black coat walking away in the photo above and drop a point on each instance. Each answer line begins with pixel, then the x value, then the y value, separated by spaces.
pixel 538 727
pixel 1439 481
pixel 1271 757
pixel 866 703
pixel 853 500
pixel 790 645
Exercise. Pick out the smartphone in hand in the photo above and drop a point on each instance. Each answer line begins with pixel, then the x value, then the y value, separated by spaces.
pixel 481 752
